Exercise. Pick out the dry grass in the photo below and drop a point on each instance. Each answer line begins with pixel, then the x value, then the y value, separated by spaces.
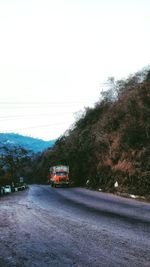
pixel 124 166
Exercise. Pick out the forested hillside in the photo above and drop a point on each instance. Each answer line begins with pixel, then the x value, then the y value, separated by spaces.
pixel 31 144
pixel 17 155
pixel 110 142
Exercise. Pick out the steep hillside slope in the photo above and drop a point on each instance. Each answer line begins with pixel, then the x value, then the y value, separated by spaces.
pixel 110 142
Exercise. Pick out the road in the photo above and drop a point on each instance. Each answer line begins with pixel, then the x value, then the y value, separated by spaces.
pixel 44 227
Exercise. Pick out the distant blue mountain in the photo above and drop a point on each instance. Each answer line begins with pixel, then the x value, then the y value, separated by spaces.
pixel 29 143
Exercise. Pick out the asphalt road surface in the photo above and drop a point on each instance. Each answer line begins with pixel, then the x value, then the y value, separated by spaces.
pixel 44 227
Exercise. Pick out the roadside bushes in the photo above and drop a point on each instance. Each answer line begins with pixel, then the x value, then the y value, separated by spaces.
pixel 110 141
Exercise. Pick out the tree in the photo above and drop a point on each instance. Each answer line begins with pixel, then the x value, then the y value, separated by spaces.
pixel 12 160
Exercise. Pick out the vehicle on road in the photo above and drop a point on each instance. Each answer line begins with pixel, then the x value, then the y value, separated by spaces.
pixel 22 186
pixel 7 189
pixel 59 175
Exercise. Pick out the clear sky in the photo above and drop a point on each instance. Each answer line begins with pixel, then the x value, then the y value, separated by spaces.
pixel 55 56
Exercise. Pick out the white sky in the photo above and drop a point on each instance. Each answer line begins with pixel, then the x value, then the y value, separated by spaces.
pixel 55 55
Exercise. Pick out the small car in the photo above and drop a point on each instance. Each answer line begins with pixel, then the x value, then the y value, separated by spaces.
pixel 7 189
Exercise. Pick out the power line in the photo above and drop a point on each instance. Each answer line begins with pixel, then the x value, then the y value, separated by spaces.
pixel 37 126
pixel 37 103
pixel 15 105
pixel 17 117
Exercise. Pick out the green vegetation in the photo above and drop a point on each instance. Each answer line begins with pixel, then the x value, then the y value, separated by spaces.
pixel 31 144
pixel 17 156
pixel 108 143
pixel 13 163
